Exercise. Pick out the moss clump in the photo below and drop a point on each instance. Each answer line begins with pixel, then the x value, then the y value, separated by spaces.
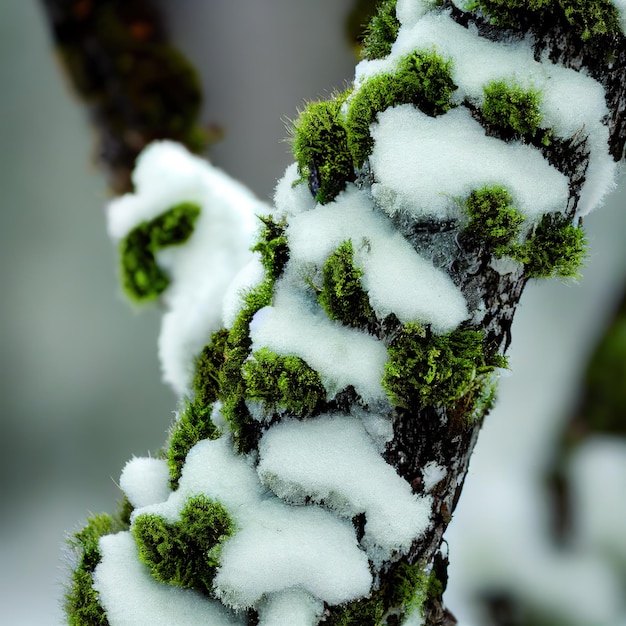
pixel 555 248
pixel 82 604
pixel 423 79
pixel 320 147
pixel 185 553
pixel 513 110
pixel 493 219
pixel 283 382
pixel 427 369
pixel 232 382
pixel 381 32
pixel 194 424
pixel 588 18
pixel 404 591
pixel 142 278
pixel 273 247
pixel 342 295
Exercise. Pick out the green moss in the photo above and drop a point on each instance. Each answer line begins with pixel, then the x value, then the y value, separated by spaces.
pixel 427 369
pixel 492 218
pixel 184 553
pixel 423 79
pixel 142 278
pixel 283 382
pixel 404 591
pixel 512 109
pixel 320 147
pixel 381 32
pixel 193 425
pixel 555 248
pixel 588 18
pixel 82 603
pixel 342 295
pixel 206 382
pixel 232 382
pixel 273 247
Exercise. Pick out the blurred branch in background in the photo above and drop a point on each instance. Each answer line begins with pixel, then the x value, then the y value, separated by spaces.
pixel 138 87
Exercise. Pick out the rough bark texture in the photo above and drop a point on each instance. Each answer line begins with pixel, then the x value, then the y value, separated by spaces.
pixel 448 437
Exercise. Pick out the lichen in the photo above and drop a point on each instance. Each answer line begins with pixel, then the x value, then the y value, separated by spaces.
pixel 513 110
pixel 283 383
pixel 381 31
pixel 493 219
pixel 142 278
pixel 555 248
pixel 342 295
pixel 427 369
pixel 184 553
pixel 321 150
pixel 423 79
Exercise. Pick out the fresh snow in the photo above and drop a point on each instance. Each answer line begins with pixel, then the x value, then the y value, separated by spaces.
pixel 303 547
pixel 572 103
pixel 145 481
pixel 331 459
pixel 201 269
pixel 396 278
pixel 130 595
pixel 424 166
pixel 342 355
pixel 292 607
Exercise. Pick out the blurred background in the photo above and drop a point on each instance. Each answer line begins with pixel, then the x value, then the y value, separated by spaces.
pixel 80 383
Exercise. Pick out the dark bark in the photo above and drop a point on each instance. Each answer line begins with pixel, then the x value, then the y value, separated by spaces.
pixel 137 87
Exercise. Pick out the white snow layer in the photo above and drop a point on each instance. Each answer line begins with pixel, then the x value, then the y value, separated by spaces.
pixel 341 355
pixel 202 268
pixel 331 459
pixel 276 546
pixel 292 607
pixel 131 596
pixel 145 481
pixel 572 103
pixel 423 165
pixel 396 278
pixel 292 195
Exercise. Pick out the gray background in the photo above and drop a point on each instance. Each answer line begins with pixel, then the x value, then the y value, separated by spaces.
pixel 79 376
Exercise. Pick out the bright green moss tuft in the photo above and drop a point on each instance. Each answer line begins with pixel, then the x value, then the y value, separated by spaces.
pixel 427 369
pixel 82 604
pixel 364 612
pixel 206 380
pixel 555 248
pixel 381 32
pixel 185 553
pixel 283 382
pixel 492 218
pixel 193 425
pixel 342 295
pixel 512 109
pixel 142 278
pixel 320 147
pixel 588 18
pixel 273 247
pixel 232 383
pixel 423 79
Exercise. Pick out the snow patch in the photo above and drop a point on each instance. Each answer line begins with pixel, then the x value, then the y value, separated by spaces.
pixel 331 459
pixel 130 595
pixel 145 481
pixel 424 165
